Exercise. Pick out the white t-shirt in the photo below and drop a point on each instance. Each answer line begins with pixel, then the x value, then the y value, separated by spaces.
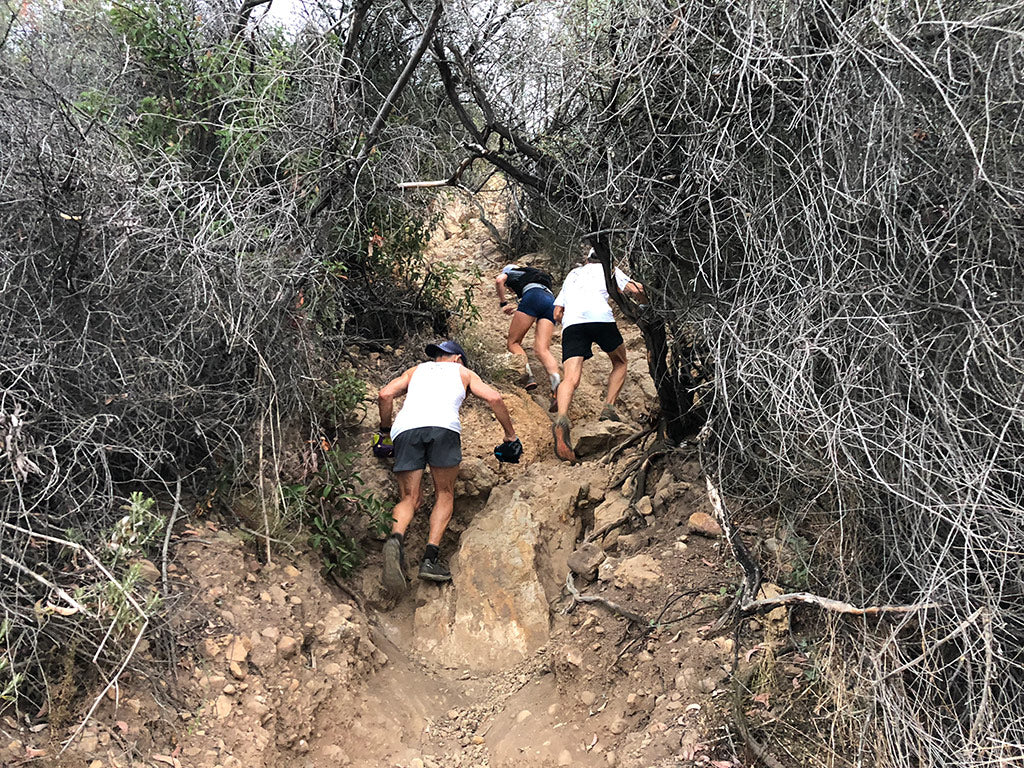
pixel 585 297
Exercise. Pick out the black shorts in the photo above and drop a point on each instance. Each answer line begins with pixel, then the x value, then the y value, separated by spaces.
pixel 436 446
pixel 578 340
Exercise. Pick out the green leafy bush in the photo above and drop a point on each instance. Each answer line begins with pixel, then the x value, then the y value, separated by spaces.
pixel 340 398
pixel 339 511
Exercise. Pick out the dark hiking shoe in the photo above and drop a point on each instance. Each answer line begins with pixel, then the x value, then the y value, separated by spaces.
pixel 394 566
pixel 553 408
pixel 608 413
pixel 560 432
pixel 434 570
pixel 529 383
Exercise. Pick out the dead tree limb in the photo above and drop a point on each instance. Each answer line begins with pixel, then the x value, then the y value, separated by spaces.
pixel 746 601
pixel 248 6
pixel 836 606
pixel 396 90
pixel 615 608
pixel 167 536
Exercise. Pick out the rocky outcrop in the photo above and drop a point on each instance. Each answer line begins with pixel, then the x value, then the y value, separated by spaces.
pixel 511 562
pixel 585 561
pixel 599 436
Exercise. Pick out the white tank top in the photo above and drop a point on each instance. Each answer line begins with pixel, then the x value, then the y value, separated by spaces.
pixel 434 397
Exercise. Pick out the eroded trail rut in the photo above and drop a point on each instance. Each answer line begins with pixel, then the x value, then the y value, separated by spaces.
pixel 279 668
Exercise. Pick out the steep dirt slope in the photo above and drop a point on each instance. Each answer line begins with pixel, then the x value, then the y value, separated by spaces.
pixel 500 668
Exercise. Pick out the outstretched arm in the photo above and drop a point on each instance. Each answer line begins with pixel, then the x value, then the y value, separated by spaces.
pixel 386 397
pixel 499 286
pixel 492 397
pixel 559 309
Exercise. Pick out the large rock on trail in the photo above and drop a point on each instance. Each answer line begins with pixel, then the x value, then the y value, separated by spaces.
pixel 512 560
pixel 599 436
pixel 612 510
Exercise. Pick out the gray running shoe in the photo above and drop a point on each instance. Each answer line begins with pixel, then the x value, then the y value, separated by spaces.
pixel 434 570
pixel 608 413
pixel 563 446
pixel 394 566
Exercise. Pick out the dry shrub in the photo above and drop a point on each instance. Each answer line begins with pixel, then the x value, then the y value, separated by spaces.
pixel 831 192
pixel 184 234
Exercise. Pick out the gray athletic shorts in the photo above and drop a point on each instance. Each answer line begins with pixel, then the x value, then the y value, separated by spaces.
pixel 436 446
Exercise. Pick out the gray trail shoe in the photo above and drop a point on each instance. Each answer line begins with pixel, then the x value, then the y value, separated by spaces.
pixel 563 445
pixel 608 413
pixel 434 570
pixel 394 567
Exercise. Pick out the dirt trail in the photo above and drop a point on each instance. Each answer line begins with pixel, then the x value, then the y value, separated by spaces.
pixel 279 668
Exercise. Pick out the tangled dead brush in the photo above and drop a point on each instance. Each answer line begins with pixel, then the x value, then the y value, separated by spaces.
pixel 832 193
pixel 179 234
pixel 853 200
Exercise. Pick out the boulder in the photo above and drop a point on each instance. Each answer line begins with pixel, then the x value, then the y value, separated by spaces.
pixel 585 561
pixel 644 506
pixel 500 610
pixel 638 571
pixel 631 542
pixel 703 524
pixel 475 479
pixel 511 563
pixel 599 436
pixel 148 571
pixel 611 510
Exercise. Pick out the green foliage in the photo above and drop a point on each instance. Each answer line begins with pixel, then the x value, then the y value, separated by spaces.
pixel 191 78
pixel 159 32
pixel 334 505
pixel 339 399
pixel 391 288
pixel 138 528
pixel 339 551
pixel 95 103
pixel 9 680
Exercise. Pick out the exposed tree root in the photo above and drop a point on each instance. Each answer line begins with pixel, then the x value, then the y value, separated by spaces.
pixel 615 608
pixel 756 748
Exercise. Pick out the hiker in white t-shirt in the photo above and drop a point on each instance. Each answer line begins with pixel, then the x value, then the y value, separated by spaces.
pixel 582 308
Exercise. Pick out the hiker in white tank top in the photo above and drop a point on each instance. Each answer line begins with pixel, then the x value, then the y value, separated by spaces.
pixel 427 432
pixel 435 395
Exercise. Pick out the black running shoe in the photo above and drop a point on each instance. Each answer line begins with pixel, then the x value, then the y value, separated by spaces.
pixel 394 566
pixel 434 570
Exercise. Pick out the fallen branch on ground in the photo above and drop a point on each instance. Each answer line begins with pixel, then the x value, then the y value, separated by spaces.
pixel 632 440
pixel 744 605
pixel 837 606
pixel 615 608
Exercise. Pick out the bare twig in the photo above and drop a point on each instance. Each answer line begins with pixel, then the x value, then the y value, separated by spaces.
pixel 167 537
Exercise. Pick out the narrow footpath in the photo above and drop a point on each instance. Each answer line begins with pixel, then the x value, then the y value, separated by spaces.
pixel 503 667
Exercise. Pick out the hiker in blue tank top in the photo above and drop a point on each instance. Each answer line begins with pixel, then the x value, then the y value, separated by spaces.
pixel 427 432
pixel 536 303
